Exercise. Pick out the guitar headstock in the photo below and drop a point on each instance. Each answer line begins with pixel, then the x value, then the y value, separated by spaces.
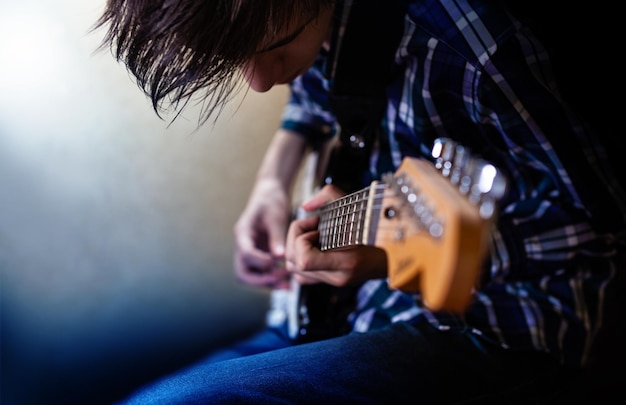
pixel 434 224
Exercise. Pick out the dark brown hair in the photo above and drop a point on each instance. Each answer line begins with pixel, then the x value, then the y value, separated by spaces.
pixel 178 48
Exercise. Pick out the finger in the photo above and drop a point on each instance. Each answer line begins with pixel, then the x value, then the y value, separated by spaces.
pixel 245 238
pixel 277 235
pixel 326 194
pixel 305 278
pixel 341 267
pixel 297 228
pixel 305 255
pixel 251 255
pixel 269 276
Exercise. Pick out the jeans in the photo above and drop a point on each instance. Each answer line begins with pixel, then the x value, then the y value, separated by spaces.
pixel 398 364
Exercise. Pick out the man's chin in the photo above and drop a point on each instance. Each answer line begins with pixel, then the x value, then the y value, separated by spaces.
pixel 290 79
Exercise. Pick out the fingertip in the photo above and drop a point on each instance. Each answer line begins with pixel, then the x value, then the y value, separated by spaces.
pixel 279 250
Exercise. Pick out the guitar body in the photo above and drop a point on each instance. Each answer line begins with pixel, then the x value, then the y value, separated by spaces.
pixel 323 311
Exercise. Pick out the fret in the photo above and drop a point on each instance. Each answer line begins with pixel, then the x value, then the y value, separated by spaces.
pixel 330 225
pixel 337 226
pixel 353 229
pixel 374 202
pixel 359 224
pixel 354 222
pixel 332 229
pixel 350 220
pixel 343 224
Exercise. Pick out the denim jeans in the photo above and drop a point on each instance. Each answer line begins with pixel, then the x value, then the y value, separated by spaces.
pixel 397 364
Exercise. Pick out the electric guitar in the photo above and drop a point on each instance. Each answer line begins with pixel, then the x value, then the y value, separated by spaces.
pixel 432 221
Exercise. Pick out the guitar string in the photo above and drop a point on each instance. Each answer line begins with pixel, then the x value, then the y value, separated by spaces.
pixel 335 230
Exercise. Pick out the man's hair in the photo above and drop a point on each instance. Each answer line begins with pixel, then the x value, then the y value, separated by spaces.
pixel 180 48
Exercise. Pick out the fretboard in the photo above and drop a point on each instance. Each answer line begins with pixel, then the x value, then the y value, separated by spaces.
pixel 351 220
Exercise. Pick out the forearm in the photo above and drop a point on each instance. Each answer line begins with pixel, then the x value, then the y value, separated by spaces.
pixel 282 158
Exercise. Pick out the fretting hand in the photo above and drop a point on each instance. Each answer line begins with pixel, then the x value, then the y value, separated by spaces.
pixel 337 267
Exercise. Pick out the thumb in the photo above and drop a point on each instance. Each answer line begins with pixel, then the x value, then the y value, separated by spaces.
pixel 277 238
pixel 327 194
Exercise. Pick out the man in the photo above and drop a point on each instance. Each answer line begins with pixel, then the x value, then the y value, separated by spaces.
pixel 463 70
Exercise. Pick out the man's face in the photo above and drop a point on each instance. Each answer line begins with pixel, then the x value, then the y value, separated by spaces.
pixel 288 55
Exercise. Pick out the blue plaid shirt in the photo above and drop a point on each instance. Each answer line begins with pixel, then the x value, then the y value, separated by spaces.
pixel 470 72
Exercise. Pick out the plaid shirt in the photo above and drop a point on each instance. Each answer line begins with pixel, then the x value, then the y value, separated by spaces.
pixel 470 72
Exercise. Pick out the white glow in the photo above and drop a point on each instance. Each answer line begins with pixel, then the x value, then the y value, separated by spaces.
pixel 487 175
pixel 33 52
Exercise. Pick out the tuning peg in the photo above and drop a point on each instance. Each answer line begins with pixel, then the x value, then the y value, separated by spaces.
pixel 414 203
pixel 438 148
pixel 443 151
pixel 488 186
pixel 478 179
pixel 459 164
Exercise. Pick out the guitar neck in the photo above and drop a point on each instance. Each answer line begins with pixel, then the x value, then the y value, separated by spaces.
pixel 351 220
pixel 432 220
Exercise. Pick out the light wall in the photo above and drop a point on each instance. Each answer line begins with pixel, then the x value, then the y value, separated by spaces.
pixel 115 226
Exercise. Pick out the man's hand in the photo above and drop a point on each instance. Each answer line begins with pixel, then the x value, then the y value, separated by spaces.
pixel 337 267
pixel 260 235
